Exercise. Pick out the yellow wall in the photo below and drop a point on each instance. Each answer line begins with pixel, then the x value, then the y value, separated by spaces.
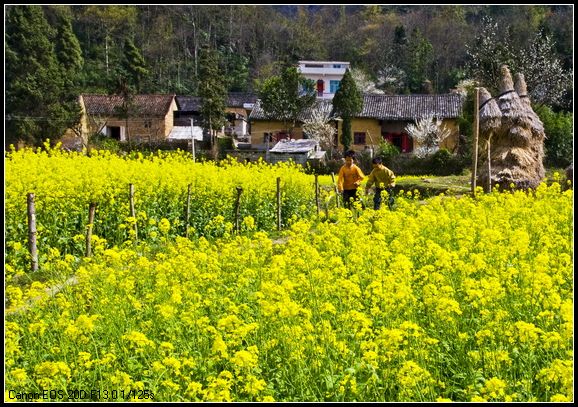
pixel 259 128
pixel 371 129
pixel 139 128
pixel 451 142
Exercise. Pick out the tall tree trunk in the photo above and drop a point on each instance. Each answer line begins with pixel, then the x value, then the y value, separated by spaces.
pixel 106 52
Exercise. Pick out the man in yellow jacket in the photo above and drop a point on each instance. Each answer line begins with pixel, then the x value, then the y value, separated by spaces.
pixel 349 178
pixel 384 179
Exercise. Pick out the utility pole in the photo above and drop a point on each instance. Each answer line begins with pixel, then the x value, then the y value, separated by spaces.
pixel 192 139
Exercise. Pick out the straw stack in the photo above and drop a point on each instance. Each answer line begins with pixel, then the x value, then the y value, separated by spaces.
pixel 490 113
pixel 516 149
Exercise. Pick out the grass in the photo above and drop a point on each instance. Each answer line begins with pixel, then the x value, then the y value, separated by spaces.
pixel 430 185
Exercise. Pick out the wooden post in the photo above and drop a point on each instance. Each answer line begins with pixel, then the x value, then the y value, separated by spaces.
pixel 132 211
pixel 278 203
pixel 91 212
pixel 317 193
pixel 237 206
pixel 489 166
pixel 336 190
pixel 188 208
pixel 476 131
pixel 32 232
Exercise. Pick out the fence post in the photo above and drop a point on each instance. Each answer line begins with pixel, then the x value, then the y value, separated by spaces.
pixel 237 206
pixel 32 232
pixel 278 203
pixel 91 211
pixel 188 209
pixel 489 165
pixel 336 190
pixel 132 211
pixel 317 193
pixel 476 132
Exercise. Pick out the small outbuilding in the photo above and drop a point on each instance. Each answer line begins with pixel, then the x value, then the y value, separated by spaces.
pixel 300 151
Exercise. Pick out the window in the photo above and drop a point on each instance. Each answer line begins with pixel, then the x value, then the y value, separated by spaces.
pixel 337 66
pixel 313 66
pixel 113 132
pixel 333 86
pixel 358 138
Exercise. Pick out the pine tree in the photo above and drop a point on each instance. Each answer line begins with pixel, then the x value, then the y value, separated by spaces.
pixel 66 44
pixel 134 65
pixel 347 102
pixel 40 102
pixel 213 91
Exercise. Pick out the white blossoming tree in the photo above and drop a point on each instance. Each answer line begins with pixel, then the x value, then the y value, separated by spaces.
pixel 427 134
pixel 319 128
pixel 364 83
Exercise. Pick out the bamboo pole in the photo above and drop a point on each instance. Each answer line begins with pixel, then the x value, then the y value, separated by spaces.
pixel 132 210
pixel 476 133
pixel 237 206
pixel 278 203
pixel 91 212
pixel 32 232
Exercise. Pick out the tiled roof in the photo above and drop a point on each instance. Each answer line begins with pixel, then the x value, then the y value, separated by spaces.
pixel 323 105
pixel 238 99
pixel 189 103
pixel 411 107
pixel 294 146
pixel 390 107
pixel 144 105
pixel 194 103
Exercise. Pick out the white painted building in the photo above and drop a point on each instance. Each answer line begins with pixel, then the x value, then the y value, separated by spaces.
pixel 326 74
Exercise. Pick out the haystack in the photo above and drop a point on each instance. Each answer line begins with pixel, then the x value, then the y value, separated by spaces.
pixel 516 143
pixel 522 91
pixel 490 114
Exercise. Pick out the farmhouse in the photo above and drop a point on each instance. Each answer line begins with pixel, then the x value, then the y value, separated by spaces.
pixel 383 117
pixel 237 110
pixel 148 118
pixel 138 119
pixel 271 130
pixel 300 151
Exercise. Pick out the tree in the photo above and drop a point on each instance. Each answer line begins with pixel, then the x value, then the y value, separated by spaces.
pixel 490 50
pixel 213 91
pixel 133 64
pixel 428 134
pixel 237 71
pixel 547 80
pixel 319 129
pixel 285 97
pixel 66 44
pixel 364 83
pixel 347 102
pixel 559 143
pixel 40 102
pixel 69 56
pixel 419 62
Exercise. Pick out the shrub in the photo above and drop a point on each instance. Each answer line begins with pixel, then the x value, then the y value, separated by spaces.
pixel 102 142
pixel 559 136
pixel 387 152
